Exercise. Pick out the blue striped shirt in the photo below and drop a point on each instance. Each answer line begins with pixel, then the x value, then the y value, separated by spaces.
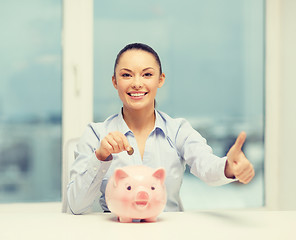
pixel 172 144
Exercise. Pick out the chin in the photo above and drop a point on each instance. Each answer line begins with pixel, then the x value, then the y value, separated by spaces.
pixel 139 106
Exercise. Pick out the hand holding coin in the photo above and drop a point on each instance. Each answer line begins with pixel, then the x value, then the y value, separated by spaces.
pixel 114 142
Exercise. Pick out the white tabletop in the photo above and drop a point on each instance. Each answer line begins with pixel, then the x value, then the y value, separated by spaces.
pixel 45 221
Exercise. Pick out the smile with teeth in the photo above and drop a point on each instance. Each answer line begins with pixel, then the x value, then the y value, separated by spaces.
pixel 137 94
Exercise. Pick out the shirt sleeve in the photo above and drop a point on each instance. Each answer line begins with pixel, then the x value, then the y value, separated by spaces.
pixel 199 156
pixel 86 173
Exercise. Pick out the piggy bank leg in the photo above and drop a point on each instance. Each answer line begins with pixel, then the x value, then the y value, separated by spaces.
pixel 152 219
pixel 125 219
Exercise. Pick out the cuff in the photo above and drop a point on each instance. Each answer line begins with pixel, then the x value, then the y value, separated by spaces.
pixel 97 168
pixel 222 178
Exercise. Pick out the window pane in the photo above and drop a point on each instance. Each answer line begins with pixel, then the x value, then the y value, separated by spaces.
pixel 213 57
pixel 30 101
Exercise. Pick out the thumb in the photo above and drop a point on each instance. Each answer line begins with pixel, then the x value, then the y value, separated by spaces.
pixel 240 141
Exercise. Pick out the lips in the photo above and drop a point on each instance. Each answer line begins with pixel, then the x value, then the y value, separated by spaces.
pixel 137 94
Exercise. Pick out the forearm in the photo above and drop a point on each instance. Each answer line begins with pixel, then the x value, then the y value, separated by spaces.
pixel 203 163
pixel 81 198
pixel 85 183
pixel 211 170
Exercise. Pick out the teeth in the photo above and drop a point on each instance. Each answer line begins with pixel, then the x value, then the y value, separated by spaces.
pixel 137 94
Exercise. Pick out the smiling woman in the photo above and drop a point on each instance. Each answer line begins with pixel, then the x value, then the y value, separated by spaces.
pixel 158 140
pixel 212 53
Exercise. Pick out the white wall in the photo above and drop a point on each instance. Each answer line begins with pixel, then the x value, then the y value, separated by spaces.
pixel 280 104
pixel 287 160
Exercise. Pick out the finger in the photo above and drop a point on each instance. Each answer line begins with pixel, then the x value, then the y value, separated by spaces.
pixel 119 140
pixel 111 141
pixel 246 179
pixel 250 177
pixel 105 145
pixel 242 166
pixel 124 143
pixel 246 175
pixel 240 141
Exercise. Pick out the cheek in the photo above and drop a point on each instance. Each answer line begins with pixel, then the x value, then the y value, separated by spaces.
pixel 121 88
pixel 126 199
pixel 121 93
pixel 158 195
pixel 154 85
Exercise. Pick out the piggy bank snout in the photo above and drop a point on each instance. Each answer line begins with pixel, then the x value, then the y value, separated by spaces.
pixel 142 195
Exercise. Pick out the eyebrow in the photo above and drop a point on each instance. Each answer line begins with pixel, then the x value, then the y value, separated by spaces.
pixel 148 68
pixel 126 69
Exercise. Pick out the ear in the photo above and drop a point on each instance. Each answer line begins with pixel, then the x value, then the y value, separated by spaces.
pixel 119 174
pixel 161 80
pixel 159 174
pixel 114 82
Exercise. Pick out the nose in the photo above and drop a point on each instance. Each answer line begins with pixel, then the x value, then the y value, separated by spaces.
pixel 137 82
pixel 142 195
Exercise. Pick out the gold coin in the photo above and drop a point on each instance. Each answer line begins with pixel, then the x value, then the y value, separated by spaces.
pixel 130 152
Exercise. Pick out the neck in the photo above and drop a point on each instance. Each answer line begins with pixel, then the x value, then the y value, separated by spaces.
pixel 139 120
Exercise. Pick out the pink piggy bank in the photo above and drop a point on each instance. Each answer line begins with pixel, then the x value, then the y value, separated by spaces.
pixel 136 192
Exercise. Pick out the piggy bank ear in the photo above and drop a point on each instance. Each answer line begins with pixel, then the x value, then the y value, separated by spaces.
pixel 119 174
pixel 160 174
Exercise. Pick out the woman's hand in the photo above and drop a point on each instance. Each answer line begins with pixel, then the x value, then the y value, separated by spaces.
pixel 237 164
pixel 114 142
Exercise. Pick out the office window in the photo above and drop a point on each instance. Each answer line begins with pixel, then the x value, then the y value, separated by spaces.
pixel 30 101
pixel 213 57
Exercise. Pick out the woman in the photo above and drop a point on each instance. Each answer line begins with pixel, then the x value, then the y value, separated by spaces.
pixel 157 139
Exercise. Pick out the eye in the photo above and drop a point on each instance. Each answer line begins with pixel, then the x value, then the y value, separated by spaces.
pixel 129 188
pixel 126 75
pixel 152 188
pixel 147 75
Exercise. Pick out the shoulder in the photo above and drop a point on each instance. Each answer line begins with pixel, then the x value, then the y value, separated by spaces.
pixel 174 124
pixel 97 130
pixel 176 129
pixel 102 128
pixel 179 129
pixel 94 132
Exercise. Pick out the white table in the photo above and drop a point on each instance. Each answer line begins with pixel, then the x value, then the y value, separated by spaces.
pixel 45 221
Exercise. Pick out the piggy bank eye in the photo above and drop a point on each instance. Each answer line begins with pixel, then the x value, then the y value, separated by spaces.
pixel 152 188
pixel 129 188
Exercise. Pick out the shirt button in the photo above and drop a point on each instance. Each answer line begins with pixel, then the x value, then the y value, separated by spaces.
pixel 104 170
pixel 95 169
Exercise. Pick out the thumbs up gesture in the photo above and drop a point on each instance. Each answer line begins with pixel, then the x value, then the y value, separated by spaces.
pixel 237 164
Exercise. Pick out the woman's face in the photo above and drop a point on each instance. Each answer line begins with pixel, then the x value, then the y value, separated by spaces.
pixel 137 79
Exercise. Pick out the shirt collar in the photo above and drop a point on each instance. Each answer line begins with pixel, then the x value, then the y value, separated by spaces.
pixel 159 123
pixel 122 126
